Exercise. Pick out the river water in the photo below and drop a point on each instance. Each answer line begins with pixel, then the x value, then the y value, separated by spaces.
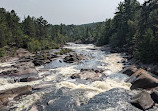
pixel 63 93
pixel 109 93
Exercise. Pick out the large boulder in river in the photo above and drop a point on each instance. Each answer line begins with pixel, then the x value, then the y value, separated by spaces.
pixel 154 95
pixel 129 70
pixel 73 58
pixel 86 74
pixel 142 79
pixel 143 100
pixel 43 58
pixel 22 53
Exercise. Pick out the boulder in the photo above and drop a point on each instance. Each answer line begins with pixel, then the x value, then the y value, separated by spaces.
pixel 29 79
pixel 142 79
pixel 86 74
pixel 43 58
pixel 38 62
pixel 34 108
pixel 73 58
pixel 129 70
pixel 22 53
pixel 143 100
pixel 154 95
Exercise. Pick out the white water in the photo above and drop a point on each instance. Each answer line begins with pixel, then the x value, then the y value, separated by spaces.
pixel 94 59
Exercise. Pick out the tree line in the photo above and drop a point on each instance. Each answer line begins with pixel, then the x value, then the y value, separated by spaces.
pixel 133 29
pixel 32 33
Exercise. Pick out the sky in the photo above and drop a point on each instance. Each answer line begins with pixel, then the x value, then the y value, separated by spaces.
pixel 64 11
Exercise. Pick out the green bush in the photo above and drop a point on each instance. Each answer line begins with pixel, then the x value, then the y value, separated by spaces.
pixel 64 51
pixel 2 52
pixel 34 45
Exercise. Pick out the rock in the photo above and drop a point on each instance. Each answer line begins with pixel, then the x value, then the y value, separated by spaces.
pixel 150 67
pixel 142 79
pixel 38 62
pixel 77 100
pixel 74 76
pixel 143 100
pixel 129 70
pixel 9 72
pixel 26 59
pixel 51 102
pixel 42 86
pixel 22 53
pixel 29 79
pixel 34 108
pixel 86 74
pixel 20 69
pixel 154 95
pixel 14 92
pixel 73 58
pixel 43 58
pixel 116 99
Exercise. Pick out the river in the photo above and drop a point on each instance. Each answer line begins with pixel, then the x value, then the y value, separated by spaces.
pixel 62 93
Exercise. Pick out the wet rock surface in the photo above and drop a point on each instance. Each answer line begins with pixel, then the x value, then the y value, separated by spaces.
pixel 112 100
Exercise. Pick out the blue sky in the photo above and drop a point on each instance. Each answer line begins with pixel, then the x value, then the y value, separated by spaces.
pixel 64 11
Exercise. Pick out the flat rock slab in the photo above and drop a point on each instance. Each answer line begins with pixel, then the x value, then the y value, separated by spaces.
pixel 14 92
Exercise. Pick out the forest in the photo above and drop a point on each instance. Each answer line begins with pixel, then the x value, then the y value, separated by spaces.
pixel 133 29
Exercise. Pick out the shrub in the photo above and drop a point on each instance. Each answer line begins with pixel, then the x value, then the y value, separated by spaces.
pixel 2 52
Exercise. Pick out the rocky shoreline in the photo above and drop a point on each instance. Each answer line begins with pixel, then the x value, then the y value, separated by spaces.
pixel 23 78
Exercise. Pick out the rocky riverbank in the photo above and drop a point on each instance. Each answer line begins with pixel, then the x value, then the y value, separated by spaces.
pixel 88 78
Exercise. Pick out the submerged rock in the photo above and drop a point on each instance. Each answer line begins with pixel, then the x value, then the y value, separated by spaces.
pixel 113 100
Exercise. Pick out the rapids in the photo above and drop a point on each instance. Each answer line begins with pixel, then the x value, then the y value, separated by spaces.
pixel 61 88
